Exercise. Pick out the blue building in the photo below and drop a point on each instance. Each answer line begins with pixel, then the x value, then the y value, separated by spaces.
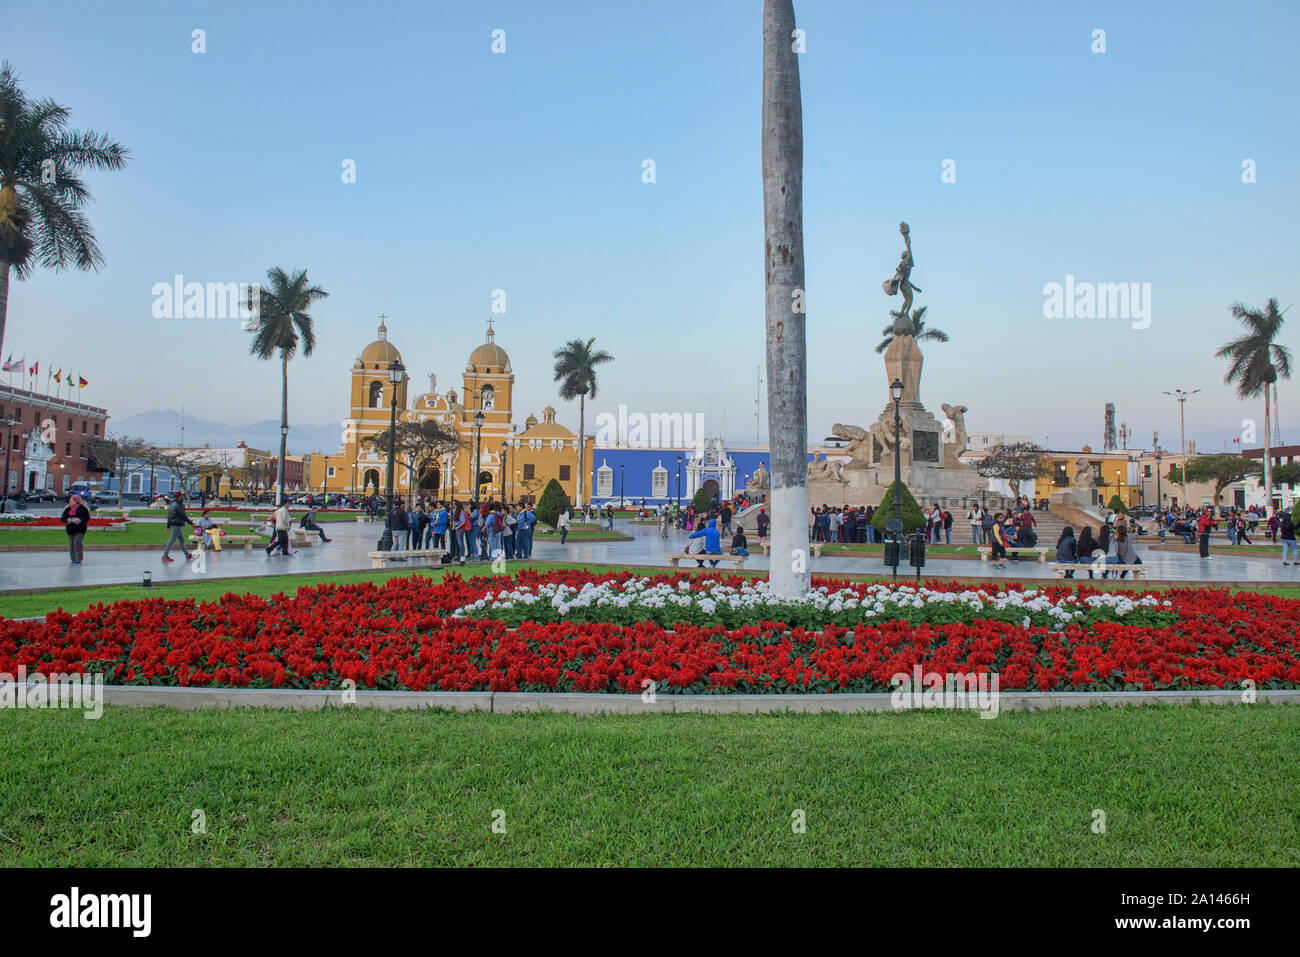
pixel 665 475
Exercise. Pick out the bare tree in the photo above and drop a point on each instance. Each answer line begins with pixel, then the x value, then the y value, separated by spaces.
pixel 1016 463
pixel 124 455
pixel 787 385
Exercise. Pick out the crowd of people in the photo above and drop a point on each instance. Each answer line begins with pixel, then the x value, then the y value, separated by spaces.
pixel 469 531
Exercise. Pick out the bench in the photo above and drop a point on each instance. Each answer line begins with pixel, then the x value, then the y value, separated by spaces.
pixel 814 547
pixel 380 559
pixel 227 540
pixel 301 538
pixel 674 558
pixel 1042 550
pixel 1059 569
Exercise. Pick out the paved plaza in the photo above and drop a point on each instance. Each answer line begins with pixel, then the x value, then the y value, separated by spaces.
pixel 350 541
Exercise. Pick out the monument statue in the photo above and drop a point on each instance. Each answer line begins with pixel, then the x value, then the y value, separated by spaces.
pixel 902 281
pixel 822 469
pixel 1083 474
pixel 858 447
pixel 956 440
pixel 759 482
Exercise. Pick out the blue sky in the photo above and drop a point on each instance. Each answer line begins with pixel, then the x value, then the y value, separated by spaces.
pixel 522 172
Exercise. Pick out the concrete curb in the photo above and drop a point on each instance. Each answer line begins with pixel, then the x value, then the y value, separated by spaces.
pixel 188 699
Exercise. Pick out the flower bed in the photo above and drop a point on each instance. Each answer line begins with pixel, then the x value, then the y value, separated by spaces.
pixel 688 635
pixel 52 521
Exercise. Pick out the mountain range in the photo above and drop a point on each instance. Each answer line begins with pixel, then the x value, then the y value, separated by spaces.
pixel 163 427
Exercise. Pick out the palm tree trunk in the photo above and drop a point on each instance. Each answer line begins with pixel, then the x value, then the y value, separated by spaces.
pixel 582 440
pixel 787 393
pixel 4 301
pixel 284 420
pixel 1268 458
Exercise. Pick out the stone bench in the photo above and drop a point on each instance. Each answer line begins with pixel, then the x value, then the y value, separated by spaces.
pixel 814 547
pixel 674 558
pixel 380 559
pixel 226 540
pixel 1042 550
pixel 1060 568
pixel 302 538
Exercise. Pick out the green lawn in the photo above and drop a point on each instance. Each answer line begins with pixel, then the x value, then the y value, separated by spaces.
pixel 583 533
pixel 1191 786
pixel 134 534
pixel 194 512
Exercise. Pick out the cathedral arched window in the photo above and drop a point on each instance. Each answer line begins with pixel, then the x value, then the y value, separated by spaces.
pixel 376 396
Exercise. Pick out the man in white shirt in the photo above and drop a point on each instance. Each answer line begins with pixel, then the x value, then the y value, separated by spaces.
pixel 282 524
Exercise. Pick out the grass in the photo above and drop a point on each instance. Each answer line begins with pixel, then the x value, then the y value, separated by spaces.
pixel 133 534
pixel 1193 786
pixel 583 533
pixel 194 512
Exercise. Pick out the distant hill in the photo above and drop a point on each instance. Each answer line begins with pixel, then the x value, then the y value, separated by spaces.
pixel 163 427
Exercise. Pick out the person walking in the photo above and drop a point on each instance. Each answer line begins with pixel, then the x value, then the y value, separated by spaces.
pixel 176 522
pixel 282 522
pixel 764 521
pixel 563 524
pixel 76 519
pixel 1286 535
pixel 976 531
pixel 986 526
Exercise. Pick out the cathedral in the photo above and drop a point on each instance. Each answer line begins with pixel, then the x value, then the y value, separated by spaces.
pixel 512 465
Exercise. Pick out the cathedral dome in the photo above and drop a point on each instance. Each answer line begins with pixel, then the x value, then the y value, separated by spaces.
pixel 381 350
pixel 489 356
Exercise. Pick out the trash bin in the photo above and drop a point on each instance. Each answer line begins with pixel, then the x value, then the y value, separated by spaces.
pixel 916 553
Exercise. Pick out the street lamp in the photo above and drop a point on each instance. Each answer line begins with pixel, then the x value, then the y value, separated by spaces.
pixel 620 485
pixel 478 449
pixel 1182 397
pixel 325 483
pixel 396 372
pixel 679 481
pixel 505 449
pixel 896 390
pixel 9 442
pixel 1160 502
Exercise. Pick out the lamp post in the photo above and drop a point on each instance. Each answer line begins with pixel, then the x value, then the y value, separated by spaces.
pixel 396 373
pixel 325 482
pixel 896 390
pixel 1182 398
pixel 1160 502
pixel 505 448
pixel 478 450
pixel 516 487
pixel 620 485
pixel 679 481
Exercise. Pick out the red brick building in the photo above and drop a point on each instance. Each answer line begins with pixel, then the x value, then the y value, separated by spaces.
pixel 46 440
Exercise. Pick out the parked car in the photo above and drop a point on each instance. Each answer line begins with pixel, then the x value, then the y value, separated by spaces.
pixel 101 496
pixel 40 495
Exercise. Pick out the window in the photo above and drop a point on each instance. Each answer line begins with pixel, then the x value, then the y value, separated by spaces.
pixel 69 425
pixel 83 426
pixel 1146 471
pixel 97 428
pixel 376 399
pixel 330 472
pixel 530 471
pixel 564 472
pixel 67 449
pixel 137 482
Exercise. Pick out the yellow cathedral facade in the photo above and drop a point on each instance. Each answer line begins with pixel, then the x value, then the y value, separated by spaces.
pixel 512 464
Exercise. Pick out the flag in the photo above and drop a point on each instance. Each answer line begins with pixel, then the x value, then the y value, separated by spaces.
pixel 35 369
pixel 81 383
pixel 11 366
pixel 58 377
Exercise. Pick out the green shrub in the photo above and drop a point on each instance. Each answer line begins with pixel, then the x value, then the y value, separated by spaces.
pixel 702 502
pixel 1117 505
pixel 913 517
pixel 552 503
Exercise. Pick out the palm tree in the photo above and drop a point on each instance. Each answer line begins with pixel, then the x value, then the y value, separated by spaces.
pixel 913 326
pixel 42 197
pixel 282 320
pixel 575 370
pixel 787 365
pixel 1257 362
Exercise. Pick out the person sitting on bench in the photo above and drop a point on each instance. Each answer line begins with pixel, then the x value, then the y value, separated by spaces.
pixel 738 544
pixel 308 523
pixel 712 541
